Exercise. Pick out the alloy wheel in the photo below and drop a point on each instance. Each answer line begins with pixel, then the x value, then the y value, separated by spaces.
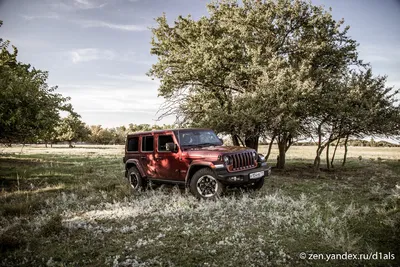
pixel 134 180
pixel 207 186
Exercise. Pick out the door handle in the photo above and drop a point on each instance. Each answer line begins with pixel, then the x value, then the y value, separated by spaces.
pixel 158 158
pixel 143 157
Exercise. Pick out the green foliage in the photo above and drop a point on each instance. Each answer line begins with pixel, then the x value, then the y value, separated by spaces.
pixel 72 129
pixel 29 108
pixel 98 135
pixel 356 104
pixel 117 135
pixel 269 68
pixel 246 69
pixel 146 127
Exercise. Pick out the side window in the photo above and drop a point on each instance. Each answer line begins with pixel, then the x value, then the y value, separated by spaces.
pixel 147 143
pixel 163 140
pixel 133 144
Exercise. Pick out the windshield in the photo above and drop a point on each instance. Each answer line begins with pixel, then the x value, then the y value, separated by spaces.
pixel 199 138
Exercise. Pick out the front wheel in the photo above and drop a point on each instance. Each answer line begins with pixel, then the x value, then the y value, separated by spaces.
pixel 204 184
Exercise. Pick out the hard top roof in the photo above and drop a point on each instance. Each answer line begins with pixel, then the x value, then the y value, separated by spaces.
pixel 166 130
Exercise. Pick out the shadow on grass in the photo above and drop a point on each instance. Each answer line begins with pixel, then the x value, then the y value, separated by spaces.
pixel 27 173
pixel 89 147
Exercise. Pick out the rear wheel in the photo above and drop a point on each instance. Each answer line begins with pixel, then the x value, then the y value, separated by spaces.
pixel 204 184
pixel 135 179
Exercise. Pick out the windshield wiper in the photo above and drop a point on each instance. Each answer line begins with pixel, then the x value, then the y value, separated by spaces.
pixel 207 144
pixel 191 145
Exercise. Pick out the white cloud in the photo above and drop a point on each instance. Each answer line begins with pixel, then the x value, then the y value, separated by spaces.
pixel 29 42
pixel 86 4
pixel 374 53
pixel 393 83
pixel 126 77
pixel 48 16
pixel 68 5
pixel 116 100
pixel 114 26
pixel 108 104
pixel 90 54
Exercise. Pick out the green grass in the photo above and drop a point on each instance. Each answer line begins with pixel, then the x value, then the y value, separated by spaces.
pixel 76 209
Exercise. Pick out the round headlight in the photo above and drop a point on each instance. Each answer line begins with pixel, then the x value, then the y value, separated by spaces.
pixel 226 160
pixel 255 155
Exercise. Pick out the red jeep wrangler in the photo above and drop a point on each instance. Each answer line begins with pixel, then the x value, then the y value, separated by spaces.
pixel 193 157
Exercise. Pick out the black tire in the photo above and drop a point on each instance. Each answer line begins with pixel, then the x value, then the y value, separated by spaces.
pixel 135 180
pixel 258 184
pixel 205 185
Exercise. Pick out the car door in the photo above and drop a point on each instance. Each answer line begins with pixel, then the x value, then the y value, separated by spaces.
pixel 147 155
pixel 168 164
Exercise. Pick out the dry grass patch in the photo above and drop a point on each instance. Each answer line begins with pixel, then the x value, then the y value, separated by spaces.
pixel 81 212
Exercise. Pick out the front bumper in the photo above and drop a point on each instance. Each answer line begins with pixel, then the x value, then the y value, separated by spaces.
pixel 242 177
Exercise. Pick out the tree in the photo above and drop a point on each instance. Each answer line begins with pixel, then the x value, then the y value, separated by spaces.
pixel 119 135
pixel 360 105
pixel 29 108
pixel 139 128
pixel 72 129
pixel 250 68
pixel 101 135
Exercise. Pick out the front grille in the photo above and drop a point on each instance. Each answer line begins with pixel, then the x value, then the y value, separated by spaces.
pixel 242 161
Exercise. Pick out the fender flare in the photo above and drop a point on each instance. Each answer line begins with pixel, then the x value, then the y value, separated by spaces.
pixel 137 165
pixel 197 163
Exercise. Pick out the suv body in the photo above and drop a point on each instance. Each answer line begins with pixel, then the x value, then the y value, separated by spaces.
pixel 192 157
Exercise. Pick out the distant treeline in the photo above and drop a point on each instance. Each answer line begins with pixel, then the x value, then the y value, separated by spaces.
pixel 363 143
pixel 96 134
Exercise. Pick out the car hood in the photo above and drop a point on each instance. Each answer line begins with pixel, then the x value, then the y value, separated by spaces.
pixel 213 151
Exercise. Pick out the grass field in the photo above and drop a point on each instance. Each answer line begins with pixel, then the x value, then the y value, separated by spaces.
pixel 72 207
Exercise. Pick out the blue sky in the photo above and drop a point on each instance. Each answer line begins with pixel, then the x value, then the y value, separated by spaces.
pixel 98 51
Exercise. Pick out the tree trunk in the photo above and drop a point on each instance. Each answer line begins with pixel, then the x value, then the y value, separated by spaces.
pixel 334 152
pixel 45 144
pixel 70 144
pixel 252 142
pixel 23 145
pixel 345 150
pixel 327 156
pixel 270 147
pixel 282 142
pixel 281 160
pixel 235 140
pixel 241 141
pixel 289 142
pixel 317 160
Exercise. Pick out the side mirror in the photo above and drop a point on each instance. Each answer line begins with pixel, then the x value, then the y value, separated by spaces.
pixel 222 141
pixel 172 147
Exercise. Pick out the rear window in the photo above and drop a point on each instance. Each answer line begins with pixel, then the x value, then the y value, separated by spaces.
pixel 147 143
pixel 133 144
